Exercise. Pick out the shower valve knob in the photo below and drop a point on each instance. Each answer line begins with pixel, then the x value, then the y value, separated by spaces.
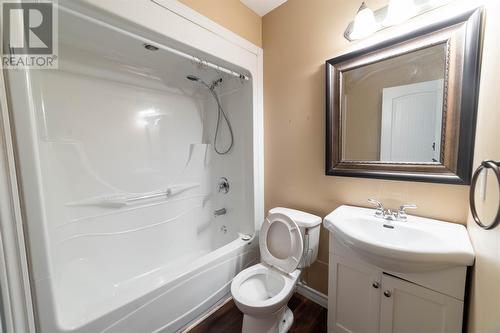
pixel 223 185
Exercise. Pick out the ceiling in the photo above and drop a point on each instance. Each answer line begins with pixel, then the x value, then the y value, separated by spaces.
pixel 262 7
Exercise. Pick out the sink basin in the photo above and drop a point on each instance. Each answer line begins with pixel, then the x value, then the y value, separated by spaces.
pixel 415 245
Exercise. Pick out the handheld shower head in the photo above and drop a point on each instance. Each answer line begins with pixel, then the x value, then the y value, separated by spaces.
pixel 220 113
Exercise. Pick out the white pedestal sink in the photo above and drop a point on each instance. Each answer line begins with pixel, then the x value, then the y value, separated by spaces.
pixel 415 245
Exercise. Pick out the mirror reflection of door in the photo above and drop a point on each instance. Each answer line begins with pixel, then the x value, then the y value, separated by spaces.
pixel 412 122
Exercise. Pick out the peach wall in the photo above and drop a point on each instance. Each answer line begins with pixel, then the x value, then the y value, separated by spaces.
pixel 298 37
pixel 231 14
pixel 485 296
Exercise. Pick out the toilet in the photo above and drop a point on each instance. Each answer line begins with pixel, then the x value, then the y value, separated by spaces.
pixel 288 242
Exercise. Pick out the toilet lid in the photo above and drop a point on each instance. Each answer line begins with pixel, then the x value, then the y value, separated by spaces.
pixel 280 242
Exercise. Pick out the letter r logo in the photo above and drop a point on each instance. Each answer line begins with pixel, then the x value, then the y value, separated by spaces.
pixel 27 27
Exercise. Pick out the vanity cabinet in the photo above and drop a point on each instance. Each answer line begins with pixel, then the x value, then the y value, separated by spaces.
pixel 364 298
pixel 356 300
pixel 406 307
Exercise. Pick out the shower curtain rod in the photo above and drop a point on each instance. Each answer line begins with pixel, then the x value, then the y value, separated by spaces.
pixel 154 47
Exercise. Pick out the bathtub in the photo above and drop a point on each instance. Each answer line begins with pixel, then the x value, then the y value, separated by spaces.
pixel 205 282
pixel 161 301
pixel 176 302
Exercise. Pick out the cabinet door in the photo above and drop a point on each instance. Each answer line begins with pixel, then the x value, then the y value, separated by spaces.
pixel 410 308
pixel 354 297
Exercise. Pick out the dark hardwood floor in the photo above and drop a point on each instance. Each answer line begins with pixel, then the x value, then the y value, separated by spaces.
pixel 309 317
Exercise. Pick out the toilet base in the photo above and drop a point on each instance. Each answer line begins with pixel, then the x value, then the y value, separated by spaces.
pixel 278 322
pixel 287 321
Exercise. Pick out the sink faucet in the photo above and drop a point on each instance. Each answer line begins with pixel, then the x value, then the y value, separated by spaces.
pixel 401 215
pixel 388 214
pixel 379 209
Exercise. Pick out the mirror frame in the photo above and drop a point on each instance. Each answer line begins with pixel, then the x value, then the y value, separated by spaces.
pixel 462 37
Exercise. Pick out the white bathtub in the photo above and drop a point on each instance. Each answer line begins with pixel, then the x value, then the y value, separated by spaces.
pixel 169 305
pixel 179 301
pixel 207 281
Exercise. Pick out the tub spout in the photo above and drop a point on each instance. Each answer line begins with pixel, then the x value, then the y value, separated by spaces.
pixel 219 212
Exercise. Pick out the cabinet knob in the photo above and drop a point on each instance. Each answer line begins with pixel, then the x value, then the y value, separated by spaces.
pixel 376 285
pixel 387 293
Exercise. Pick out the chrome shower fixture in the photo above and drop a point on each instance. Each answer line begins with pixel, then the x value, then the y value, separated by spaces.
pixel 211 87
pixel 214 83
pixel 223 185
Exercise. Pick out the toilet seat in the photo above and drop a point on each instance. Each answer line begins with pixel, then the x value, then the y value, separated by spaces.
pixel 280 242
pixel 262 306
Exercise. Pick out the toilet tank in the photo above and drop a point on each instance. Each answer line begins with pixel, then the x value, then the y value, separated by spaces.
pixel 310 226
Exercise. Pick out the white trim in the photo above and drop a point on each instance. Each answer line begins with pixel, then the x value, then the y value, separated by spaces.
pixel 17 313
pixel 312 295
pixel 258 142
pixel 189 14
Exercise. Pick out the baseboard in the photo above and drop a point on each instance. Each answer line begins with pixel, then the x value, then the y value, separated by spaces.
pixel 207 314
pixel 312 295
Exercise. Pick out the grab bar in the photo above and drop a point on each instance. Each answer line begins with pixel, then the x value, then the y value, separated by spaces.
pixel 121 200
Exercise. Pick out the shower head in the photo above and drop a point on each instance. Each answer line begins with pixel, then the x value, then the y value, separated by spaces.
pixel 221 113
pixel 192 78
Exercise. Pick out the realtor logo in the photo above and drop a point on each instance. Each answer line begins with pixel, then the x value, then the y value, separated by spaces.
pixel 29 34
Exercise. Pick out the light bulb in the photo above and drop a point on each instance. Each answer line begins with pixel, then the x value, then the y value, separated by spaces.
pixel 364 23
pixel 399 11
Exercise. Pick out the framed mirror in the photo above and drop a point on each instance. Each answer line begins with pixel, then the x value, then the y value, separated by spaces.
pixel 406 108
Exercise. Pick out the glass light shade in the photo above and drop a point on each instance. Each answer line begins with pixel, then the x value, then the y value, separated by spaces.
pixel 399 11
pixel 364 23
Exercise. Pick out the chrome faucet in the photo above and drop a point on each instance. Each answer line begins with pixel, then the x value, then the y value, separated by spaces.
pixel 401 216
pixel 219 212
pixel 379 209
pixel 388 214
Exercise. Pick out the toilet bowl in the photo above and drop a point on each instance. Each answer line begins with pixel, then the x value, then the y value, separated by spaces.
pixel 262 291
